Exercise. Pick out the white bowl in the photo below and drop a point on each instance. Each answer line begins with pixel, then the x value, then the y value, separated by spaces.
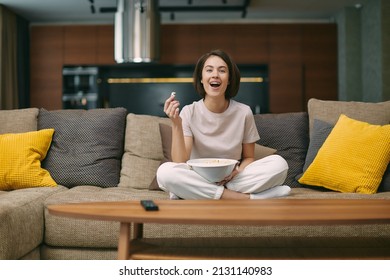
pixel 213 169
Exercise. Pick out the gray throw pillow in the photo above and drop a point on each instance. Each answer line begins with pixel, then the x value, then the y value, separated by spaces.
pixel 385 184
pixel 87 145
pixel 288 133
pixel 318 135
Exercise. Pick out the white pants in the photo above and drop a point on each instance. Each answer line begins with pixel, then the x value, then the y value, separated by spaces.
pixel 179 179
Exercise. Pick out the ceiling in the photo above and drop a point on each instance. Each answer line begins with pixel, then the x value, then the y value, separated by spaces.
pixel 80 11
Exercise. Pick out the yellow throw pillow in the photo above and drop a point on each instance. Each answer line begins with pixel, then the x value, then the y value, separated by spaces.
pixel 21 155
pixel 353 158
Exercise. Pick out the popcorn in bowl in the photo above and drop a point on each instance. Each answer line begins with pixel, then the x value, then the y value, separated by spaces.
pixel 213 169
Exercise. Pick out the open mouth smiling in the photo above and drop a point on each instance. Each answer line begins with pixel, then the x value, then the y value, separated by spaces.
pixel 215 84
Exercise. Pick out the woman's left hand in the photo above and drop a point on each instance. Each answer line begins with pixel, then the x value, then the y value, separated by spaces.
pixel 229 177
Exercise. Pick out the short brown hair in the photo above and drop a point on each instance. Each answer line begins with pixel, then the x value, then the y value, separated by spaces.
pixel 234 74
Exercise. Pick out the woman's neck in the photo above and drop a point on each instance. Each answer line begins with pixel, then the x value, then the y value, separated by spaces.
pixel 216 105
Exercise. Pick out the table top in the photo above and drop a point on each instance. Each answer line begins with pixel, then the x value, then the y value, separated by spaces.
pixel 235 212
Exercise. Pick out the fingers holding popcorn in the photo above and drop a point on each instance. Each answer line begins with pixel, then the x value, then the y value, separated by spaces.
pixel 171 106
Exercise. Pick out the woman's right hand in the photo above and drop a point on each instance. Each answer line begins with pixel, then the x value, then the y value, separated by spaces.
pixel 181 147
pixel 171 108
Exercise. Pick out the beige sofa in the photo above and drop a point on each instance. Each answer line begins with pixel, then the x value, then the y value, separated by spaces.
pixel 94 168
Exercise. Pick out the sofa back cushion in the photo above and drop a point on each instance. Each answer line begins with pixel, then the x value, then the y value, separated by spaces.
pixel 330 111
pixel 18 121
pixel 87 146
pixel 143 150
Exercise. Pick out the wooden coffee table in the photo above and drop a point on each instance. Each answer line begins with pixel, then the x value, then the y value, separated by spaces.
pixel 224 212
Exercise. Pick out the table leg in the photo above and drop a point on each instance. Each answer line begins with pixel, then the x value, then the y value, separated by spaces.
pixel 138 230
pixel 124 241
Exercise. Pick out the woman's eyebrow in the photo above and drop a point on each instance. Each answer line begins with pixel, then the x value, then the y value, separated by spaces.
pixel 210 66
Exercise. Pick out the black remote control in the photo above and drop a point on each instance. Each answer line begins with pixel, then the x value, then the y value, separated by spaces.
pixel 149 205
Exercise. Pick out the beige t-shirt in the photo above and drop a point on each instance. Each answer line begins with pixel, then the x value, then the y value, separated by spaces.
pixel 219 135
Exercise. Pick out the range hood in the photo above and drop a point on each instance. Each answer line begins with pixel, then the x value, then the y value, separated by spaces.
pixel 137 24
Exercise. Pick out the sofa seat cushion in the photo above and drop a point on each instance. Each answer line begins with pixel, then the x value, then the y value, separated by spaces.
pixel 22 220
pixel 70 232
pixel 66 253
pixel 307 193
pixel 87 145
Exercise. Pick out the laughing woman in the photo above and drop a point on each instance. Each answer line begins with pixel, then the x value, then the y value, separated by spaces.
pixel 219 127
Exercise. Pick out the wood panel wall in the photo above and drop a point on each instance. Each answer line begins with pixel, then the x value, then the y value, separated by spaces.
pixel 46 60
pixel 302 58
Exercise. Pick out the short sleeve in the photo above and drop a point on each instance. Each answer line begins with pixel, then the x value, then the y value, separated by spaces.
pixel 185 115
pixel 251 134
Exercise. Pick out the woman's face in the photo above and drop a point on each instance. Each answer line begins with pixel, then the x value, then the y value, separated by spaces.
pixel 215 76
